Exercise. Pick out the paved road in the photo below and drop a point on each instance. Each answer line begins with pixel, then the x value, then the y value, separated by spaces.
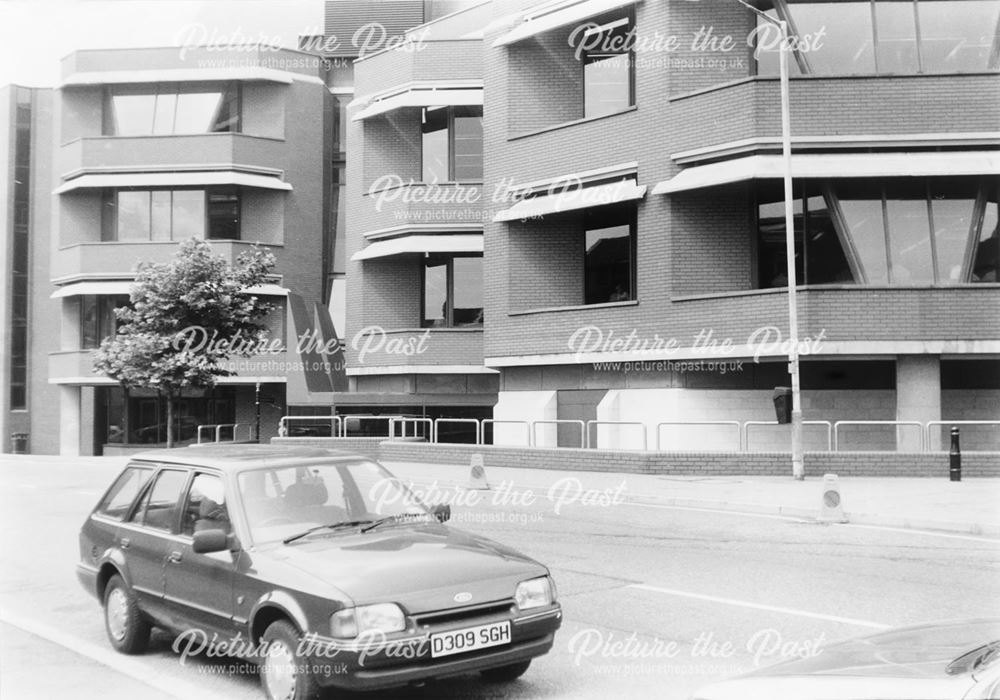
pixel 657 600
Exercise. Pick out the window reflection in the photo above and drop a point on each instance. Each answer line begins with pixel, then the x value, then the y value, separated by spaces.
pixel 607 67
pixel 452 144
pixel 172 109
pixel 887 36
pixel 164 215
pixel 609 254
pixel 986 260
pixel 97 318
pixel 452 291
pixel 952 208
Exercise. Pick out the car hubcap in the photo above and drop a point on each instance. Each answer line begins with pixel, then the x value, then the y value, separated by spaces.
pixel 279 671
pixel 117 613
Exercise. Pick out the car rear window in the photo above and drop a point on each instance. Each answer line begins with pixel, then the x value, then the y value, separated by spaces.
pixel 122 493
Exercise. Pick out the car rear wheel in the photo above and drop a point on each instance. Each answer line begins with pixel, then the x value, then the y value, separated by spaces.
pixel 127 629
pixel 283 675
pixel 505 674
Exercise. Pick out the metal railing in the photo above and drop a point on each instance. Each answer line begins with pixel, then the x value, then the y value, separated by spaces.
pixel 494 422
pixel 219 427
pixel 928 439
pixel 672 423
pixel 334 421
pixel 405 421
pixel 897 423
pixel 619 423
pixel 555 422
pixel 745 439
pixel 436 435
pixel 407 426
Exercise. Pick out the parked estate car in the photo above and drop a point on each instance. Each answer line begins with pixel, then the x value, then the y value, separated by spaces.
pixel 330 571
pixel 958 660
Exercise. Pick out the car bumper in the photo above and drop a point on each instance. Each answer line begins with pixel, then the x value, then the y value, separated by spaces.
pixel 349 669
pixel 87 576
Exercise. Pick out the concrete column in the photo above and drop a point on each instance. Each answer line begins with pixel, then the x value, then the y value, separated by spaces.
pixel 69 421
pixel 918 398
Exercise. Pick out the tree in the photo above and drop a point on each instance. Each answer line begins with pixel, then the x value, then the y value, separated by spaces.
pixel 197 295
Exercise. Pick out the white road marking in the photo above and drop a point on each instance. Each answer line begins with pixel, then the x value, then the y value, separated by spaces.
pixel 127 666
pixel 982 539
pixel 758 606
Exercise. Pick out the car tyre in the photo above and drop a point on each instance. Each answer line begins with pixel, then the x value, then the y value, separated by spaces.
pixel 505 674
pixel 127 629
pixel 283 674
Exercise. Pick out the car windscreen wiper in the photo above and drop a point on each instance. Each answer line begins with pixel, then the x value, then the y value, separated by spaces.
pixel 330 526
pixel 404 518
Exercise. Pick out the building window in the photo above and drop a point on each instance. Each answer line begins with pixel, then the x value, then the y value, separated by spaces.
pixel 20 258
pixel 170 109
pixel 452 144
pixel 608 66
pixel 170 215
pixel 452 291
pixel 884 37
pixel 97 318
pixel 609 255
pixel 819 252
pixel 895 231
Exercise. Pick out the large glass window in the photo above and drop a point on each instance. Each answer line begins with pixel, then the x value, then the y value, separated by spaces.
pixel 986 248
pixel 172 109
pixel 165 215
pixel 884 36
pixel 97 318
pixel 452 291
pixel 819 253
pixel 609 255
pixel 452 144
pixel 608 80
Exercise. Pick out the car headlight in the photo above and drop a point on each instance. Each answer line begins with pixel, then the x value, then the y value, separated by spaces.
pixel 352 622
pixel 535 592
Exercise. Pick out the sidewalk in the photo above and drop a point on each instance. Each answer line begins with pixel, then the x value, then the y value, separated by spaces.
pixel 971 506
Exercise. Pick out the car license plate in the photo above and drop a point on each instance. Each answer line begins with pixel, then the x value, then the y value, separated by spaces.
pixel 470 639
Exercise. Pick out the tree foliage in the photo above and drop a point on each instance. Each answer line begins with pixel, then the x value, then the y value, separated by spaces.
pixel 195 290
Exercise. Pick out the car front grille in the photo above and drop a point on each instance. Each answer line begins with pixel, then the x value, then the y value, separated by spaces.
pixel 468 613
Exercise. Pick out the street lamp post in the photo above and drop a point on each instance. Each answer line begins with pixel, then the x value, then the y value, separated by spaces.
pixel 798 464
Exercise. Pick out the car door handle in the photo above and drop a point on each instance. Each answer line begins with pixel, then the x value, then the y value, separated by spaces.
pixel 175 557
pixel 125 542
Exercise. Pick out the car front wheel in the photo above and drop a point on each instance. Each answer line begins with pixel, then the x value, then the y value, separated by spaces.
pixel 505 674
pixel 127 629
pixel 283 675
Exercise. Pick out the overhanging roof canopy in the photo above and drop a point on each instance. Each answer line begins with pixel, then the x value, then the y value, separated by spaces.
pixel 173 179
pixel 106 288
pixel 183 75
pixel 839 165
pixel 579 197
pixel 115 287
pixel 440 243
pixel 558 14
pixel 445 96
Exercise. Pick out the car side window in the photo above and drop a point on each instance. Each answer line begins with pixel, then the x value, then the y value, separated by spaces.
pixel 159 506
pixel 123 492
pixel 205 508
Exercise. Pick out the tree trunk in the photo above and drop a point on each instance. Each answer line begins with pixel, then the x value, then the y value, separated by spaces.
pixel 125 427
pixel 170 419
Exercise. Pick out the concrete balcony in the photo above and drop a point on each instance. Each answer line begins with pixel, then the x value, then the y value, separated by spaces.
pixel 917 105
pixel 426 205
pixel 448 60
pixel 76 367
pixel 438 348
pixel 166 152
pixel 116 259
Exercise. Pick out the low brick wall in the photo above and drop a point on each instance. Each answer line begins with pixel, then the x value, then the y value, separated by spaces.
pixel 928 464
pixel 367 446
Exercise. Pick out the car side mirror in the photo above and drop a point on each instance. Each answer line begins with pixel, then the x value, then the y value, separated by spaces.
pixel 442 512
pixel 208 541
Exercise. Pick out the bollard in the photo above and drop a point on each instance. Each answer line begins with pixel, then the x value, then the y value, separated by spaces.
pixel 955 456
pixel 477 474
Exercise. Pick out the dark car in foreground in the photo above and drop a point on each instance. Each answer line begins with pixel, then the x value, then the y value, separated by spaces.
pixel 955 660
pixel 318 565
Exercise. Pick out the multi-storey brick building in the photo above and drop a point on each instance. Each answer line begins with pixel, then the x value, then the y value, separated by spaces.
pixel 632 212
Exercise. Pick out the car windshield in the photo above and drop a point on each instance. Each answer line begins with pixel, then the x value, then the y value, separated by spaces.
pixel 283 502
